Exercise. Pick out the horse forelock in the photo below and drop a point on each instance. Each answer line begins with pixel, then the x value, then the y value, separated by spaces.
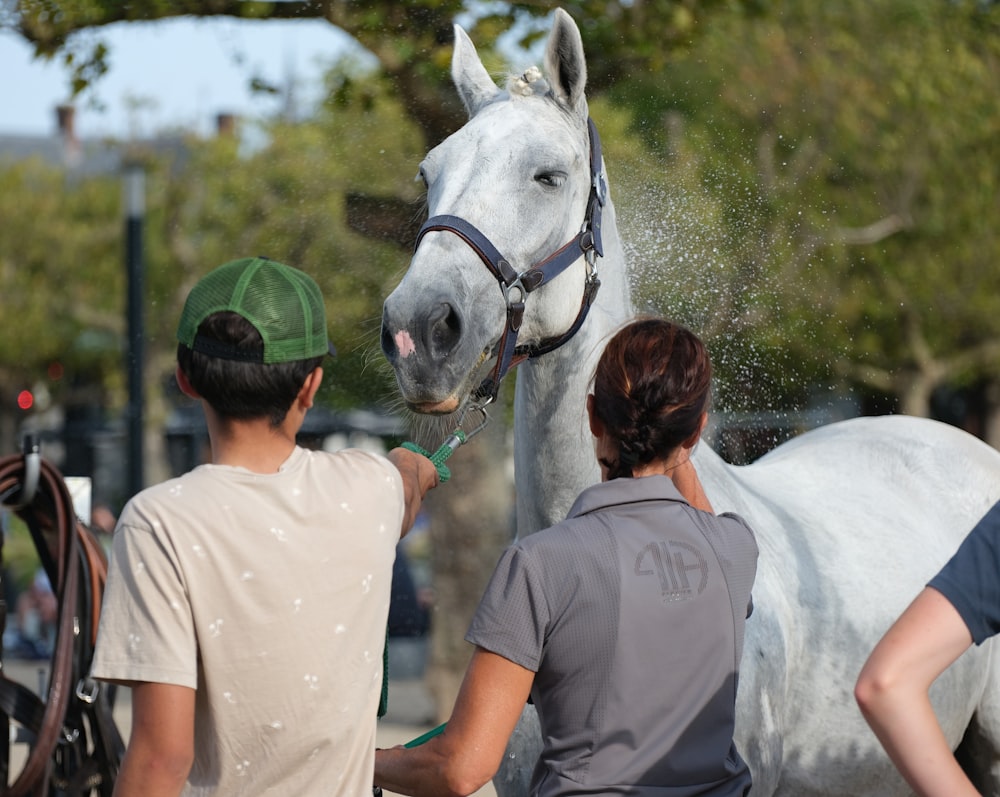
pixel 530 83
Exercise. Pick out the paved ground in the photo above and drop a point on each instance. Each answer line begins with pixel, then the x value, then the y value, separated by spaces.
pixel 410 712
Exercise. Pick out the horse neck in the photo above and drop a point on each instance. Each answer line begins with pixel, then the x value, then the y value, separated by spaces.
pixel 553 448
pixel 714 473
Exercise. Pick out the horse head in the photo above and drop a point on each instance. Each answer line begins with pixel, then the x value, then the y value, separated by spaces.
pixel 510 189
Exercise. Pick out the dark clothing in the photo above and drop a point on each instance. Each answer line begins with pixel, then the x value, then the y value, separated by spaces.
pixel 971 579
pixel 407 618
pixel 632 613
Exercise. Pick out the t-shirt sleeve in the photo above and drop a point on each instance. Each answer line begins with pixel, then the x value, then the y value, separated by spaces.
pixel 971 579
pixel 146 631
pixel 513 615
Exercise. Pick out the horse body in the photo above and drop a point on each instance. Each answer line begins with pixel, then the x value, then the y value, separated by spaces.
pixel 851 519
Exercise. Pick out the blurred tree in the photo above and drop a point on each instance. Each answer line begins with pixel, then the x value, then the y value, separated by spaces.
pixel 57 231
pixel 411 40
pixel 854 150
pixel 820 130
pixel 61 250
pixel 286 201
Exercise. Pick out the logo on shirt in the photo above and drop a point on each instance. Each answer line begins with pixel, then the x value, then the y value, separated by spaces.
pixel 679 566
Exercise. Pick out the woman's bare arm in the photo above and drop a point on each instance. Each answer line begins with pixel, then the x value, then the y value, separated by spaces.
pixel 468 753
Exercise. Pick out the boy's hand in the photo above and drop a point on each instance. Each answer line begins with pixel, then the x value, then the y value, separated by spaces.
pixel 419 476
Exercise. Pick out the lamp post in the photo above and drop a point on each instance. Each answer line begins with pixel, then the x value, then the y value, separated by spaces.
pixel 134 185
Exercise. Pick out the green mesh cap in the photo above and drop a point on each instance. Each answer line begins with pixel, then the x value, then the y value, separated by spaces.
pixel 283 304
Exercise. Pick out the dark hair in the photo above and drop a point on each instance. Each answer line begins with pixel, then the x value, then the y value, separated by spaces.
pixel 651 387
pixel 242 390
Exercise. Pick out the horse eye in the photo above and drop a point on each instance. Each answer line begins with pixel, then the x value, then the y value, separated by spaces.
pixel 421 177
pixel 551 179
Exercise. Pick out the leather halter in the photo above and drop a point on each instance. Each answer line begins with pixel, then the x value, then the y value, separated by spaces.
pixel 516 287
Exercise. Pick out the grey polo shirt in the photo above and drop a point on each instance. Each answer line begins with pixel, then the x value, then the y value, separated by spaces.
pixel 631 612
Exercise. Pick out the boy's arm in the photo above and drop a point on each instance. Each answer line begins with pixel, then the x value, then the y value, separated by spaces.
pixel 161 748
pixel 419 476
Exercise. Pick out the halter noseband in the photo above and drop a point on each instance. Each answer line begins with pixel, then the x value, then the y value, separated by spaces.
pixel 516 287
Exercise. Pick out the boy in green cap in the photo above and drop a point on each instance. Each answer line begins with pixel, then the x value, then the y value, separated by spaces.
pixel 247 600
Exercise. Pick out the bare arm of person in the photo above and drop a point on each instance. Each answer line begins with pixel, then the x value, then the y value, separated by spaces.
pixel 685 479
pixel 468 752
pixel 419 477
pixel 892 692
pixel 161 748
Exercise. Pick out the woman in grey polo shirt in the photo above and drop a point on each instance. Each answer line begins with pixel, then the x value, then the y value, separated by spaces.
pixel 624 622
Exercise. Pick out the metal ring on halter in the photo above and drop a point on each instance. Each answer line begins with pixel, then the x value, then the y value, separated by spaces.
pixel 516 285
pixel 600 186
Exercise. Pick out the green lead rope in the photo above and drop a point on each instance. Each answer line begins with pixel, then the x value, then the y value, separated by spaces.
pixel 448 447
pixel 383 701
pixel 438 458
pixel 426 737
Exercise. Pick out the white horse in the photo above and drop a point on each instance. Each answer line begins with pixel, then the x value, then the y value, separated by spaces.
pixel 852 519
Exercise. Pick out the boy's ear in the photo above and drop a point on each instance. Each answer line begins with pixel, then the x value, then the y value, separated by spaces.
pixel 185 384
pixel 309 387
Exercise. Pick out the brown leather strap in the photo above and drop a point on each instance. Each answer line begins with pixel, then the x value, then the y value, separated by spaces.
pixel 51 509
pixel 65 547
pixel 97 568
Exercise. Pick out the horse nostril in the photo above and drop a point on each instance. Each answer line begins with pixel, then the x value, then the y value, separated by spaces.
pixel 386 341
pixel 445 329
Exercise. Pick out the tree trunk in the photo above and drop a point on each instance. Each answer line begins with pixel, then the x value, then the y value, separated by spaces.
pixel 471 522
pixel 914 392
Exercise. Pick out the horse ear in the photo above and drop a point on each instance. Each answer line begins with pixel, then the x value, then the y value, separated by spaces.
pixel 474 84
pixel 565 63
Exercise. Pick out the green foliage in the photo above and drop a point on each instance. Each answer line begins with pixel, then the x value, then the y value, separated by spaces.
pixel 852 151
pixel 815 191
pixel 626 41
pixel 286 201
pixel 412 39
pixel 20 556
pixel 60 277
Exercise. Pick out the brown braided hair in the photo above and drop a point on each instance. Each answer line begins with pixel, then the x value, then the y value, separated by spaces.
pixel 651 387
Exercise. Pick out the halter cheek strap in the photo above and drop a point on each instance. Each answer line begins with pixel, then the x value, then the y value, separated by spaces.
pixel 516 286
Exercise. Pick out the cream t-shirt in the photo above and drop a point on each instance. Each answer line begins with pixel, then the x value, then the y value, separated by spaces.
pixel 268 594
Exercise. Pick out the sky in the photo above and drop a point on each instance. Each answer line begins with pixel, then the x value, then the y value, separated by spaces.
pixel 180 73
